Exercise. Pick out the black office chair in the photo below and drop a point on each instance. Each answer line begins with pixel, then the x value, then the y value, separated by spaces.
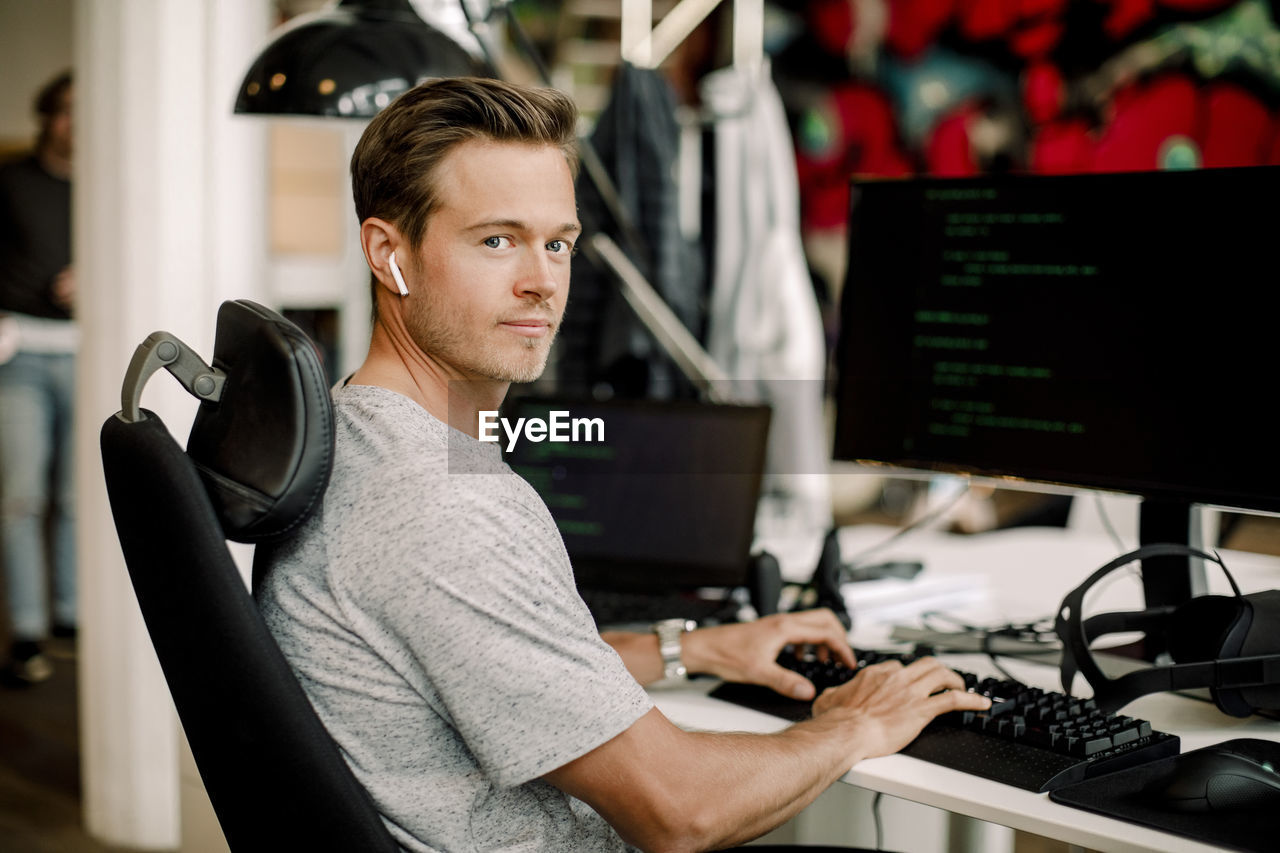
pixel 256 466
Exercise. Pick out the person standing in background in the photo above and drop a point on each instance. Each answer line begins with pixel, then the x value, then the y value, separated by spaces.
pixel 37 293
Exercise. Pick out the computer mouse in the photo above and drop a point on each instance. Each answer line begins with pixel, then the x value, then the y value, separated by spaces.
pixel 1223 778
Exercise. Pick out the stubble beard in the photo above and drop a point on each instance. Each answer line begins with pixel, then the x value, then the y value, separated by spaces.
pixel 484 359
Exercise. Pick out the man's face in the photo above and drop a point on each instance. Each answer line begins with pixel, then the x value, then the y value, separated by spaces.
pixel 57 127
pixel 493 270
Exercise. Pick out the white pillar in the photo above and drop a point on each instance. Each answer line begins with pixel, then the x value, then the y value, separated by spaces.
pixel 168 221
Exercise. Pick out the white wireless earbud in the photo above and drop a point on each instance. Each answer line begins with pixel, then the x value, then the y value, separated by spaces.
pixel 395 273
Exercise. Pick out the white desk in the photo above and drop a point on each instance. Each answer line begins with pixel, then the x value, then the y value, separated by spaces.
pixel 1029 572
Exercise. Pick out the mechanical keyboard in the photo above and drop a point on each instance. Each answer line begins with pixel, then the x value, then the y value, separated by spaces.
pixel 1033 739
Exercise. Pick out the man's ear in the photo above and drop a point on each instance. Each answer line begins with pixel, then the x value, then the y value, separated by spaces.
pixel 379 240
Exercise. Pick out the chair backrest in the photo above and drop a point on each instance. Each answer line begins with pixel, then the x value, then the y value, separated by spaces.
pixel 257 463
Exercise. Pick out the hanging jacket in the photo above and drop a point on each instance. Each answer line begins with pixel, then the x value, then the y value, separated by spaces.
pixel 637 139
pixel 765 326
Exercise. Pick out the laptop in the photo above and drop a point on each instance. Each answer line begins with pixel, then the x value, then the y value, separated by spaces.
pixel 655 499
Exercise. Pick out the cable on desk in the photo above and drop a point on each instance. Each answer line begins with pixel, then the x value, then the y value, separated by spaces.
pixel 995 662
pixel 1106 522
pixel 913 526
pixel 1036 632
pixel 875 816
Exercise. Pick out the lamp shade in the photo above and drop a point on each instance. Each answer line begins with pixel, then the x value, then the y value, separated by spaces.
pixel 350 61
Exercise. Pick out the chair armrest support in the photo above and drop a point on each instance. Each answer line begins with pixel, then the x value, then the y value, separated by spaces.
pixel 162 349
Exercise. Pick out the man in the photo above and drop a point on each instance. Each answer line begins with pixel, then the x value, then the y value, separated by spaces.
pixel 429 609
pixel 37 379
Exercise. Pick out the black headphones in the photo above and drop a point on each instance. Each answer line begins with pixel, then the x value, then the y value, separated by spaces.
pixel 1228 643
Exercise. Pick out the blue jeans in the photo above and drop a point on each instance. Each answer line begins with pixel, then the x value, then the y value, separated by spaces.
pixel 36 491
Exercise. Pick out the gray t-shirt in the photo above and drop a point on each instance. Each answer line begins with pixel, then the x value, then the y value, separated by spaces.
pixel 430 613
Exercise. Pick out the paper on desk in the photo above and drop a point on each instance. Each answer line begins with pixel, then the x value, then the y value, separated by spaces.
pixel 897 599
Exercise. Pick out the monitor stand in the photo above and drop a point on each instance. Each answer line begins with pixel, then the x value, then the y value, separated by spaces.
pixel 1169 581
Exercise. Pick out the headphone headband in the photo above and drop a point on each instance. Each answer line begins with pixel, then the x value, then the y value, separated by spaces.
pixel 1112 694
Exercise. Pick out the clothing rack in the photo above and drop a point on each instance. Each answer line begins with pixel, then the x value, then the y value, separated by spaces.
pixel 646 45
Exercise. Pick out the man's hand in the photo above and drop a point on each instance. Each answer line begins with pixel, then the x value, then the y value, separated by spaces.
pixel 665 788
pixel 63 289
pixel 748 651
pixel 891 703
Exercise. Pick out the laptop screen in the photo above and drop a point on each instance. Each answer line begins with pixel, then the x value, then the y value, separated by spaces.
pixel 649 495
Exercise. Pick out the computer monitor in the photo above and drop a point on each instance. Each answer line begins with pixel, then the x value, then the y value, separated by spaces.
pixel 665 501
pixel 1102 331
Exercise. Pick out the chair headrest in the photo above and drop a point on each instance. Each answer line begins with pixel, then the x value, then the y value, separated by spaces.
pixel 265 448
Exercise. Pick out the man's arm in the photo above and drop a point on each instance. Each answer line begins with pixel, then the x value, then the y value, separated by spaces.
pixel 666 789
pixel 744 652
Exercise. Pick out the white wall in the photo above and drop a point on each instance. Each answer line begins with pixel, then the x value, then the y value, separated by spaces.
pixel 35 44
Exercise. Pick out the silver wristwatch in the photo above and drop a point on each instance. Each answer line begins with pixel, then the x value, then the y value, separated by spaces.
pixel 669 632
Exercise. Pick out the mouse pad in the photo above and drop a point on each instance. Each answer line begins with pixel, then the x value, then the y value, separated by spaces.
pixel 1125 795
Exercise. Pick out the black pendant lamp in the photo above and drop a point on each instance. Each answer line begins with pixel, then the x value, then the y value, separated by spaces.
pixel 350 61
